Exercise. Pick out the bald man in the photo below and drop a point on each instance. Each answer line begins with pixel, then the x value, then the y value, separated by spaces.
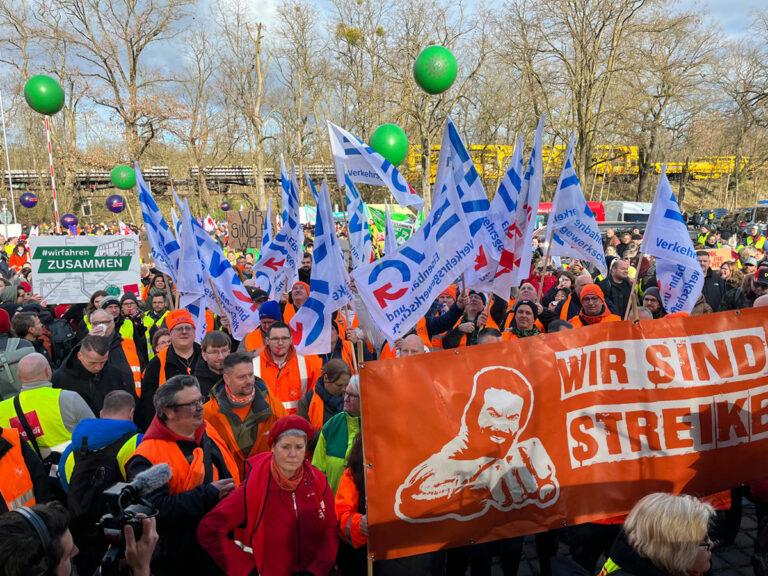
pixel 410 346
pixel 49 415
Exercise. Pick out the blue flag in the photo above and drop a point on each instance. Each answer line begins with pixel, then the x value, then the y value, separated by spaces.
pixel 360 242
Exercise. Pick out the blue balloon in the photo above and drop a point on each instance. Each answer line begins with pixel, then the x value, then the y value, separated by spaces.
pixel 68 220
pixel 116 203
pixel 28 199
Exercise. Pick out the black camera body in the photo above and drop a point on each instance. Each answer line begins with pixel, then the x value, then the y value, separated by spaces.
pixel 125 507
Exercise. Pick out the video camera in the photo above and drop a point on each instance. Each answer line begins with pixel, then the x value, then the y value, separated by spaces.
pixel 126 506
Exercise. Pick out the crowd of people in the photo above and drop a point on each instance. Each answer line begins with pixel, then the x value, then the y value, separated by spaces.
pixel 265 444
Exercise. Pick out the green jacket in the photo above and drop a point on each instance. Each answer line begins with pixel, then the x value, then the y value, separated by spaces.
pixel 333 446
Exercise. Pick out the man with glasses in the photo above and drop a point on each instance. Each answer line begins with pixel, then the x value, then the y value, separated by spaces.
pixel 123 355
pixel 594 310
pixel 179 358
pixel 288 374
pixel 269 313
pixel 214 348
pixel 203 472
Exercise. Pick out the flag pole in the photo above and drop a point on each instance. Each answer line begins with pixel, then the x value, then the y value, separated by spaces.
pixel 52 171
pixel 544 273
pixel 631 296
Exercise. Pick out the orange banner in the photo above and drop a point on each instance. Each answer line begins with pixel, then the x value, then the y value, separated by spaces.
pixel 500 440
pixel 719 255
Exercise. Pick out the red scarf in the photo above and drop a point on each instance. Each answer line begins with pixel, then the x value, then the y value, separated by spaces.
pixel 239 400
pixel 587 320
pixel 285 483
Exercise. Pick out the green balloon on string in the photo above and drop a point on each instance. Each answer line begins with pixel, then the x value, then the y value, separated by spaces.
pixel 390 141
pixel 435 69
pixel 44 94
pixel 123 177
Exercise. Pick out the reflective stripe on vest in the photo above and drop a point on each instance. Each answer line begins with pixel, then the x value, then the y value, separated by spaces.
pixel 301 361
pixel 41 408
pixel 16 487
pixel 129 349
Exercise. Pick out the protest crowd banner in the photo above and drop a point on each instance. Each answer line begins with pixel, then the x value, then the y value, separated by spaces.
pixel 67 269
pixel 515 438
pixel 245 229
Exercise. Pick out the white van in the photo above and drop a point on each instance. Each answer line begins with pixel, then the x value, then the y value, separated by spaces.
pixel 623 211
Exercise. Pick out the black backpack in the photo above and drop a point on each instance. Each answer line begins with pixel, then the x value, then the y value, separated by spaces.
pixel 63 340
pixel 94 471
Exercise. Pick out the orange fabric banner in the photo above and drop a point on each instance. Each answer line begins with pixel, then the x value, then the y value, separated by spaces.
pixel 500 440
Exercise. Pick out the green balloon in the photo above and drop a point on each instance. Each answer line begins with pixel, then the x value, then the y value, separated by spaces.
pixel 44 94
pixel 390 141
pixel 435 69
pixel 123 177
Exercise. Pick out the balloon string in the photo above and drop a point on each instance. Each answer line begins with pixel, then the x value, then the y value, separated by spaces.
pixel 53 173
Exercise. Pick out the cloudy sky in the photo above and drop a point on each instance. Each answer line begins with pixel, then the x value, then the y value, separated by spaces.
pixel 733 16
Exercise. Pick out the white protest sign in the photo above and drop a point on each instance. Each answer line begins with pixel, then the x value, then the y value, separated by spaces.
pixel 68 269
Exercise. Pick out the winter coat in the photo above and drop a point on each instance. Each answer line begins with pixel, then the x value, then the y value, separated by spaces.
pixel 624 561
pixel 288 532
pixel 206 377
pixel 71 375
pixel 714 289
pixel 616 295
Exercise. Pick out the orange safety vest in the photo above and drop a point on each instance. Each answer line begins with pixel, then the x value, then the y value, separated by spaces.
pixel 219 422
pixel 209 321
pixel 316 411
pixel 387 352
pixel 163 355
pixel 254 340
pixel 16 487
pixel 129 349
pixel 577 323
pixel 347 504
pixel 348 355
pixel 291 382
pixel 566 306
pixel 186 475
pixel 289 312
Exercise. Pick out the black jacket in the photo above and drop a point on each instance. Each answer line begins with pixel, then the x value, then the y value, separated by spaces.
pixel 119 362
pixel 207 377
pixel 139 337
pixel 616 295
pixel 174 366
pixel 630 562
pixel 71 375
pixel 714 289
pixel 737 299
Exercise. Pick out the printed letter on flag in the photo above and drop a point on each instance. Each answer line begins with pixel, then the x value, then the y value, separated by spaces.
pixel 572 228
pixel 328 287
pixel 365 165
pixel 163 245
pixel 360 243
pixel 666 237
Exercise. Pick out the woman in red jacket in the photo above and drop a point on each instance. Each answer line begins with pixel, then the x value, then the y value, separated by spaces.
pixel 286 507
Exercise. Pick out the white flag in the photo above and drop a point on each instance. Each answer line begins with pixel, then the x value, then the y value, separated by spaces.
pixel 163 245
pixel 363 164
pixel 666 237
pixel 329 283
pixel 191 285
pixel 572 228
pixel 360 242
pixel 390 240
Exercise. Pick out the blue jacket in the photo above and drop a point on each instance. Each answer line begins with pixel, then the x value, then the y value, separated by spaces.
pixel 99 432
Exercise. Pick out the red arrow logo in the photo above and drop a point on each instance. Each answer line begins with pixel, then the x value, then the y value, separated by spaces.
pixel 296 334
pixel 245 298
pixel 481 261
pixel 382 294
pixel 274 264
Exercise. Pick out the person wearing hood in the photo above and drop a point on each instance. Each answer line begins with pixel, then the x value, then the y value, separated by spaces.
pixel 115 437
pixel 122 352
pixel 338 435
pixel 594 310
pixel 240 411
pixel 86 371
pixel 652 301
pixel 203 472
pixel 327 399
pixel 664 535
pixel 214 348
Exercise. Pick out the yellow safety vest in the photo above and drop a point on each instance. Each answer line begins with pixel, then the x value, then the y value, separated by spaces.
pixel 125 452
pixel 41 409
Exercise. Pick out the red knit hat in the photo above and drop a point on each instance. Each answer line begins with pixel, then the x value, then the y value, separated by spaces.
pixel 176 317
pixel 450 291
pixel 289 423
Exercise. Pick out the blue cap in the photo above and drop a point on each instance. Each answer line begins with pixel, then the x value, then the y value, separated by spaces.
pixel 270 309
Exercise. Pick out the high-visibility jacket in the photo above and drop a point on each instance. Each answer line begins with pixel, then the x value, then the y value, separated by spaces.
pixel 150 323
pixel 122 457
pixel 16 488
pixel 254 340
pixel 41 409
pixel 348 354
pixel 289 383
pixel 210 321
pixel 347 504
pixel 186 475
pixel 221 423
pixel 163 356
pixel 129 349
pixel 316 413
pixel 289 312
pixel 577 323
pixel 87 322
